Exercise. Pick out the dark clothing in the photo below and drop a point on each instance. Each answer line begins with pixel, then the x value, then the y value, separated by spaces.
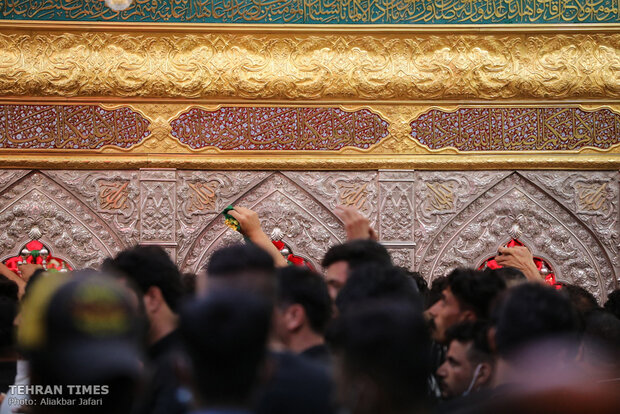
pixel 160 396
pixel 319 354
pixel 438 356
pixel 8 369
pixel 298 386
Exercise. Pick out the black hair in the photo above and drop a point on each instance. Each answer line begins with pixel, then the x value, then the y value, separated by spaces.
pixel 602 336
pixel 421 284
pixel 388 342
pixel 8 288
pixel 245 267
pixel 189 284
pixel 435 292
pixel 373 281
pixel 240 259
pixel 613 303
pixel 475 332
pixel 475 290
pixel 357 252
pixel 307 288
pixel 532 312
pixel 583 301
pixel 225 337
pixel 509 275
pixel 8 311
pixel 148 266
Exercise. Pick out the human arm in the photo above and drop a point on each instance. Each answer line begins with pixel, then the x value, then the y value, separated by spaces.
pixel 9 274
pixel 251 228
pixel 520 258
pixel 355 224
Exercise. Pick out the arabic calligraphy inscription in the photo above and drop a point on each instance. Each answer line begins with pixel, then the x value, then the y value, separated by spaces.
pixel 279 128
pixel 517 129
pixel 69 127
pixel 324 11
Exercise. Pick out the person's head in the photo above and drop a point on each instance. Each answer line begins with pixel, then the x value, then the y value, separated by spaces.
pixel 468 296
pixel 157 281
pixel 613 303
pixel 224 336
pixel 533 313
pixel 434 293
pixel 509 275
pixel 303 306
pixel 421 284
pixel 341 259
pixel 373 281
pixel 599 354
pixel 188 281
pixel 8 288
pixel 82 331
pixel 241 266
pixel 469 362
pixel 583 301
pixel 382 353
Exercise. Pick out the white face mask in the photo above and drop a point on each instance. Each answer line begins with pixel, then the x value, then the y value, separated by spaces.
pixel 473 380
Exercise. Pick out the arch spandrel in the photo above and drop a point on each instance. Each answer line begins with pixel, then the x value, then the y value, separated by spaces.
pixel 309 226
pixel 547 227
pixel 70 228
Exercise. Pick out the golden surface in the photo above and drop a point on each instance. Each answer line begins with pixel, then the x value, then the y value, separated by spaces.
pixel 332 67
pixel 397 151
pixel 313 162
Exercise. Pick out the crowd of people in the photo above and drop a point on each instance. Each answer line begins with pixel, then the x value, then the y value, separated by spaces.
pixel 253 334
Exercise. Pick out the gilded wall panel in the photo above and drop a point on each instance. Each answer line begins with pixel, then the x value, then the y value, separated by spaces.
pixel 311 66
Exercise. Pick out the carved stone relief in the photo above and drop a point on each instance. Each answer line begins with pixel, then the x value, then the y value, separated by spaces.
pixel 309 227
pixel 157 206
pixel 593 196
pixel 352 188
pixel 547 227
pixel 402 257
pixel 113 195
pixel 67 225
pixel 8 177
pixel 225 187
pixel 440 195
pixel 396 212
pixel 430 221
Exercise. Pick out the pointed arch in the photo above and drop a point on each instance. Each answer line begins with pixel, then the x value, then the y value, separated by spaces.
pixel 548 227
pixel 67 225
pixel 309 227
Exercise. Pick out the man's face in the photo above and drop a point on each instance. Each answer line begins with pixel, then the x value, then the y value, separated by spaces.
pixel 443 314
pixel 336 276
pixel 456 373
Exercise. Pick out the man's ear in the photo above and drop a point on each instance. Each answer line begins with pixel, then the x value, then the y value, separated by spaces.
pixel 153 299
pixel 485 375
pixel 295 317
pixel 468 315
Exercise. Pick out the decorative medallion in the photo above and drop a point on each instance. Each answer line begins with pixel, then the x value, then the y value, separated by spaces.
pixel 279 128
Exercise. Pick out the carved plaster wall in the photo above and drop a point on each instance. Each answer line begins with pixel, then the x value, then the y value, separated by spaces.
pixel 430 221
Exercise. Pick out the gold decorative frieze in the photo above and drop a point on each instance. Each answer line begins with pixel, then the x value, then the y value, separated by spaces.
pixel 340 67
